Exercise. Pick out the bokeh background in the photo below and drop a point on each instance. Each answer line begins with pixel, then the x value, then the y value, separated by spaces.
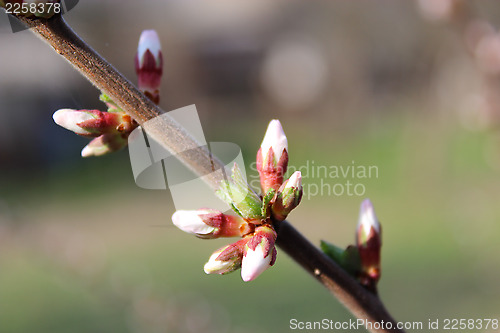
pixel 408 86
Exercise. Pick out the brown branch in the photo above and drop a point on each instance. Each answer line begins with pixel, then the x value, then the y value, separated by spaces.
pixel 363 304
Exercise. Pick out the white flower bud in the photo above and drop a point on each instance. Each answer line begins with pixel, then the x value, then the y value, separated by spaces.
pixel 192 221
pixel 274 139
pixel 69 119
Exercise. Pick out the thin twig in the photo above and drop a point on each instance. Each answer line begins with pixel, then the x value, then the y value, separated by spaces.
pixel 362 303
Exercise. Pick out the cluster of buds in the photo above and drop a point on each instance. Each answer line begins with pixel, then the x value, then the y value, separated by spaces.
pixel 111 129
pixel 255 251
pixel 361 260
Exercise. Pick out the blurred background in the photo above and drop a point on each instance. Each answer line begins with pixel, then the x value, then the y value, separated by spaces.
pixel 411 87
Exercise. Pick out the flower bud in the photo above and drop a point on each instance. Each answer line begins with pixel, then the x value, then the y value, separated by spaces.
pixel 104 144
pixel 149 64
pixel 288 197
pixel 272 157
pixel 94 123
pixel 210 223
pixel 72 119
pixel 369 243
pixel 259 253
pixel 226 259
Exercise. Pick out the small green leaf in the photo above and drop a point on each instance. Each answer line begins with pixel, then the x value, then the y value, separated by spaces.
pixel 351 261
pixel 236 192
pixel 333 251
pixel 112 107
pixel 348 259
pixel 266 202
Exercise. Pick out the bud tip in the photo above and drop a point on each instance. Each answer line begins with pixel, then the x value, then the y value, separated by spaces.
pixel 274 139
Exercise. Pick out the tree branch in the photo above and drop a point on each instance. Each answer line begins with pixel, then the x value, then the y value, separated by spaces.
pixel 362 303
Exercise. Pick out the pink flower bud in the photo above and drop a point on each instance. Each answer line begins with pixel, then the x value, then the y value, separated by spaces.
pixel 288 196
pixel 104 144
pixel 71 120
pixel 259 253
pixel 149 64
pixel 226 259
pixel 369 243
pixel 210 223
pixel 94 123
pixel 272 157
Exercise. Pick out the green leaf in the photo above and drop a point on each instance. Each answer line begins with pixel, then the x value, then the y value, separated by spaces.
pixel 242 199
pixel 333 251
pixel 351 261
pixel 266 202
pixel 348 259
pixel 112 106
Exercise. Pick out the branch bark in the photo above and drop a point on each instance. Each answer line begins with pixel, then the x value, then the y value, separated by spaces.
pixel 362 303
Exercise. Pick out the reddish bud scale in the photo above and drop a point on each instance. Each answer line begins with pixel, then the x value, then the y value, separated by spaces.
pixel 266 236
pixel 233 250
pixel 149 74
pixel 106 123
pixel 226 225
pixel 271 172
pixel 273 259
pixel 369 253
pixel 127 125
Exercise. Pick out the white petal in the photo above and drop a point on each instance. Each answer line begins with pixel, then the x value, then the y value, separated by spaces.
pixel 275 138
pixel 294 181
pixel 191 222
pixel 69 118
pixel 254 263
pixel 88 151
pixel 149 40
pixel 367 217
pixel 216 266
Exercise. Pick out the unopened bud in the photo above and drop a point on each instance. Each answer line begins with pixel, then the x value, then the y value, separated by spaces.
pixel 94 123
pixel 210 223
pixel 226 259
pixel 288 197
pixel 104 144
pixel 149 64
pixel 369 243
pixel 272 157
pixel 259 253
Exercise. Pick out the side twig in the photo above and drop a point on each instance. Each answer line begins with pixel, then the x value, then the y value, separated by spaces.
pixel 363 304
